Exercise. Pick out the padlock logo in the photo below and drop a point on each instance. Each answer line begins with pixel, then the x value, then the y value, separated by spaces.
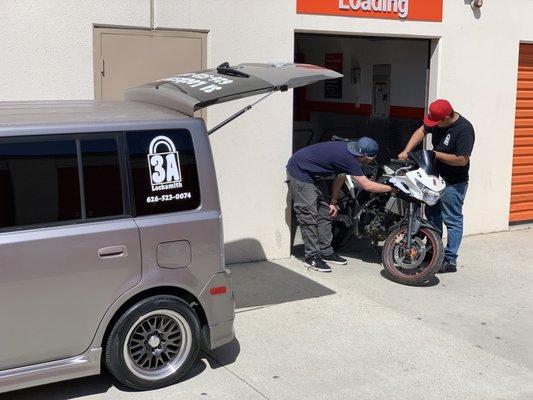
pixel 164 164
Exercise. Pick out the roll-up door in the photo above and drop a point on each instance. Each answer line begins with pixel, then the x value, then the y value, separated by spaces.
pixel 522 183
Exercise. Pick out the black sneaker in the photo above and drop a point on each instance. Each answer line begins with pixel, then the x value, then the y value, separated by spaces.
pixel 447 267
pixel 316 264
pixel 335 259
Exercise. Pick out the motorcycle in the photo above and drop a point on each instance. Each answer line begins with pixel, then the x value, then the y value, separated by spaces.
pixel 412 251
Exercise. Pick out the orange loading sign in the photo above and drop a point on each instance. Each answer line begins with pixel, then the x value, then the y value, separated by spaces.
pixel 415 10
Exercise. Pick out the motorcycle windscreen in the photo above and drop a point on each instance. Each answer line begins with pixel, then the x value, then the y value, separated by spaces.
pixel 193 91
pixel 426 160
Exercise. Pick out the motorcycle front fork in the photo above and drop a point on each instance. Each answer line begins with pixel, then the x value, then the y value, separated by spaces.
pixel 412 213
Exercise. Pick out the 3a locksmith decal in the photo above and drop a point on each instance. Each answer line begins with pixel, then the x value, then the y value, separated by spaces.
pixel 421 10
pixel 165 171
pixel 164 164
pixel 204 82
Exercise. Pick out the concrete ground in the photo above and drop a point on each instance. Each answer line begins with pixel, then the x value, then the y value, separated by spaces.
pixel 353 334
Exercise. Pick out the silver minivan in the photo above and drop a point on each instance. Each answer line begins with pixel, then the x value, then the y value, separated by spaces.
pixel 111 246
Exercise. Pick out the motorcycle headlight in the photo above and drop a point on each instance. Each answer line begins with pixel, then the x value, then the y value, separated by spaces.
pixel 430 197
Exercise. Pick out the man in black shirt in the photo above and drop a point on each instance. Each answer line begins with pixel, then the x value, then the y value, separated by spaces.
pixel 453 141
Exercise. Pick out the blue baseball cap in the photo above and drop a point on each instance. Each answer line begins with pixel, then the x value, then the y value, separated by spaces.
pixel 365 147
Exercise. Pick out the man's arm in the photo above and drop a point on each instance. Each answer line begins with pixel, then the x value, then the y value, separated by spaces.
pixel 452 159
pixel 371 186
pixel 336 187
pixel 415 140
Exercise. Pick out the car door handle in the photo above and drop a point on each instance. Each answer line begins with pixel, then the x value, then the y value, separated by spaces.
pixel 113 251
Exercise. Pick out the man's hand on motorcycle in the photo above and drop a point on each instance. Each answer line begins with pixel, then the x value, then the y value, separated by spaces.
pixel 333 210
pixel 403 156
pixel 393 188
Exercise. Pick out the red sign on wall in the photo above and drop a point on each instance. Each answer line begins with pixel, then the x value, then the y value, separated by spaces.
pixel 333 87
pixel 415 10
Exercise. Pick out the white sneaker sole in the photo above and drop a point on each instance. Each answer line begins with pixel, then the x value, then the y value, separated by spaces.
pixel 336 262
pixel 316 269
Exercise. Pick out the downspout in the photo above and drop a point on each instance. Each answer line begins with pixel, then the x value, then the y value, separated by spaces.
pixel 152 15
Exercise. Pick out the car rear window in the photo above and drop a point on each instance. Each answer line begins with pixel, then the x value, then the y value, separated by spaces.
pixel 163 171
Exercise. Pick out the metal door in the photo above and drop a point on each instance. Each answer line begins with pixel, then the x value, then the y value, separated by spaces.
pixel 128 57
pixel 522 183
pixel 381 91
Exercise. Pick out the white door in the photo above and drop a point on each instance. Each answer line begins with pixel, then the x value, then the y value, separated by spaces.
pixel 381 91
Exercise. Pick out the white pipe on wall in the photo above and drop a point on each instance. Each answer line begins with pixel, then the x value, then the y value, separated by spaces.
pixel 152 15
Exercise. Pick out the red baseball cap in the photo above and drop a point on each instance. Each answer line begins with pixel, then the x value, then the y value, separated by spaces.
pixel 438 110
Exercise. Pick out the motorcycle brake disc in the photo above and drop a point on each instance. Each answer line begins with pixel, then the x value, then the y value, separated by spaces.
pixel 404 260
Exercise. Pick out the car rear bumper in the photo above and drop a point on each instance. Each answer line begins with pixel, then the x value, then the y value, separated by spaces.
pixel 220 334
pixel 219 308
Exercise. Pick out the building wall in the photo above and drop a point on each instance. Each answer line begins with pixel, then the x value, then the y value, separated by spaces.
pixel 47 49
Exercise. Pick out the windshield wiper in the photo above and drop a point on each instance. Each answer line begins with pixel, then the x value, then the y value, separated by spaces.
pixel 225 69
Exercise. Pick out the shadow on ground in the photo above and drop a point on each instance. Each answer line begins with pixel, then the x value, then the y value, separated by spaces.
pixel 263 283
pixel 359 249
pixel 364 250
pixel 224 355
pixel 267 283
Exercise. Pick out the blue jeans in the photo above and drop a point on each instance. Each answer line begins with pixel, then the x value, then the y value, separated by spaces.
pixel 449 210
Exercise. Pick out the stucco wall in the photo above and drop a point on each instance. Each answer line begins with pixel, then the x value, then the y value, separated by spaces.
pixel 47 50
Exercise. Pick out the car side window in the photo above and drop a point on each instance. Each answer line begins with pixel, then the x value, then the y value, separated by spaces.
pixel 163 171
pixel 102 181
pixel 39 182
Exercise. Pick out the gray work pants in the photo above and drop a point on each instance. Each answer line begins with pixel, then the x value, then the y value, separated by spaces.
pixel 311 206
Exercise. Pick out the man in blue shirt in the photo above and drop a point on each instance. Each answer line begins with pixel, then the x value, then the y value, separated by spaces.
pixel 309 170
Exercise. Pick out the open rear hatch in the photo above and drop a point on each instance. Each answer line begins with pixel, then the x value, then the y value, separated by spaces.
pixel 193 91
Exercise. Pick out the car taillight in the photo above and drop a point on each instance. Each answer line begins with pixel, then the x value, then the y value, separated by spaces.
pixel 218 290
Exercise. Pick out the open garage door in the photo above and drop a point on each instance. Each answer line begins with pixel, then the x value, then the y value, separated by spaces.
pixel 522 183
pixel 383 93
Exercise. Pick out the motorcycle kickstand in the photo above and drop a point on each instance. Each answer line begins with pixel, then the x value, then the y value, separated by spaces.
pixel 375 247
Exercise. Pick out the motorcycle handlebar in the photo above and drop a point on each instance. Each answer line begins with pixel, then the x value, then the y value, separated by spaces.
pixel 340 138
pixel 402 162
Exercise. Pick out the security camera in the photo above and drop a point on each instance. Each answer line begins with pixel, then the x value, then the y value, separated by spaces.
pixel 476 3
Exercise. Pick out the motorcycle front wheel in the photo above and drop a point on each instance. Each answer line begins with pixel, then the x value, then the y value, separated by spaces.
pixel 414 265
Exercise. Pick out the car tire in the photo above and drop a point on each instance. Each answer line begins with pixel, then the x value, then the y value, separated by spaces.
pixel 154 343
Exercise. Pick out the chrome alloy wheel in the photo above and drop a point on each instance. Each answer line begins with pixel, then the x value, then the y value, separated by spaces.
pixel 157 344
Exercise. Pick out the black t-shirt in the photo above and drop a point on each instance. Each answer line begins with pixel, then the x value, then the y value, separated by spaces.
pixel 457 139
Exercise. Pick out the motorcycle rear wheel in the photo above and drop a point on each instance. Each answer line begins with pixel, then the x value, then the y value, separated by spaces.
pixel 416 265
